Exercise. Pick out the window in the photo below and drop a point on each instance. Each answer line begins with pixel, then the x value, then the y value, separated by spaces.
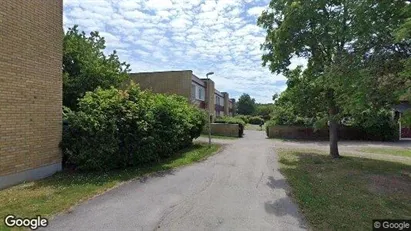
pixel 217 100
pixel 200 93
pixel 193 91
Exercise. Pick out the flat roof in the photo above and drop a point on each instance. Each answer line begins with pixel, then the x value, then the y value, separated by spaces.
pixel 148 72
pixel 402 107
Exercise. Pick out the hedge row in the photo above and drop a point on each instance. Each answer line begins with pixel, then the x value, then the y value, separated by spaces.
pixel 244 118
pixel 114 128
pixel 256 120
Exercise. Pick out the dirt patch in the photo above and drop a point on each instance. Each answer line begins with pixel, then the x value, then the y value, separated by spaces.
pixel 383 184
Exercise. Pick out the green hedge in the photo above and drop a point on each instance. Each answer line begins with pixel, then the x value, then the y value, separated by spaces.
pixel 229 120
pixel 371 125
pixel 114 128
pixel 244 118
pixel 256 120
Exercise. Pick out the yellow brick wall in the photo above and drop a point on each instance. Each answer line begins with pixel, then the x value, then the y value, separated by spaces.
pixel 30 84
pixel 210 97
pixel 170 82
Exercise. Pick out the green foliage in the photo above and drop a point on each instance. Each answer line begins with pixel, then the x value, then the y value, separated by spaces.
pixel 406 118
pixel 288 110
pixel 377 124
pixel 230 120
pixel 244 118
pixel 245 105
pixel 264 110
pixel 354 59
pixel 86 67
pixel 256 120
pixel 404 33
pixel 113 128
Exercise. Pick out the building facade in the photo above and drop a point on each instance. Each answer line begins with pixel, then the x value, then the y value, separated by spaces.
pixel 31 45
pixel 199 91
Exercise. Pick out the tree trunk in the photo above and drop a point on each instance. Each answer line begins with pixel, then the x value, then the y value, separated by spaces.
pixel 334 138
pixel 333 127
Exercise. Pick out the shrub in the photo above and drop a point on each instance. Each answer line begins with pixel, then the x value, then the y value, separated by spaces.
pixel 229 120
pixel 113 128
pixel 256 120
pixel 177 123
pixel 378 125
pixel 244 118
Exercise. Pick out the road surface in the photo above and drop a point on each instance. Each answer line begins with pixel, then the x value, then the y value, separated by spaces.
pixel 239 188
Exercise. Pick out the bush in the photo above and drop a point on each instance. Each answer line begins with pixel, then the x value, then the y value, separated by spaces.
pixel 369 125
pixel 378 125
pixel 256 120
pixel 113 128
pixel 244 118
pixel 176 123
pixel 229 120
pixel 286 115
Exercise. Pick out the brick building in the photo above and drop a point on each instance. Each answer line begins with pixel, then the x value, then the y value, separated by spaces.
pixel 185 83
pixel 30 89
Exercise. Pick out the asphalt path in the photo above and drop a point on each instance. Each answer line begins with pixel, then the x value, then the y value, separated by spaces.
pixel 239 188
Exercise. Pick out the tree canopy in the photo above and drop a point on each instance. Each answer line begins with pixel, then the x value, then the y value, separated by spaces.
pixel 246 105
pixel 354 57
pixel 86 67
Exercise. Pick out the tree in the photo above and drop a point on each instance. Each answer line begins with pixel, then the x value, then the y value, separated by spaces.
pixel 86 67
pixel 264 110
pixel 350 48
pixel 275 97
pixel 245 105
pixel 404 32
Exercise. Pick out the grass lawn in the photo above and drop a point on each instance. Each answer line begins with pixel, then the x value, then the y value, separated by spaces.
pixel 348 193
pixel 254 127
pixel 63 190
pixel 219 137
pixel 388 151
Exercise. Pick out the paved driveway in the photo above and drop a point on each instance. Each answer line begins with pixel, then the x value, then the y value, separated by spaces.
pixel 240 188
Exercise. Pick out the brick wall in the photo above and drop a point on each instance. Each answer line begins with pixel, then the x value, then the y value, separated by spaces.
pixel 210 97
pixel 226 104
pixel 225 129
pixel 30 84
pixel 171 82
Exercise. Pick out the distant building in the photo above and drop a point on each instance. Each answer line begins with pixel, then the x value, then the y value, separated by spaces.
pixel 404 131
pixel 200 92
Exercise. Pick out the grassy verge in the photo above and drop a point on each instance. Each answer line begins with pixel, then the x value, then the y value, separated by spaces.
pixel 388 151
pixel 348 193
pixel 219 137
pixel 63 190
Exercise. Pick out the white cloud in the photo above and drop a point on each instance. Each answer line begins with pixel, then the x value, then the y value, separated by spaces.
pixel 159 4
pixel 256 11
pixel 201 35
pixel 180 23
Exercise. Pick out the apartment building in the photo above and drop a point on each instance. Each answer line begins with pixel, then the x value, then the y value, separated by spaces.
pixel 31 47
pixel 199 91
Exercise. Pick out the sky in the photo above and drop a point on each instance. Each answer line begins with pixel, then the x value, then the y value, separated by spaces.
pixel 200 35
